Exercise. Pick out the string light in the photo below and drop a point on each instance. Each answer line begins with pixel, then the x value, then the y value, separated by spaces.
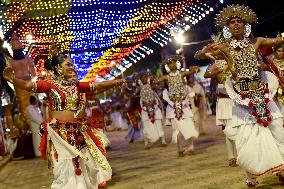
pixel 100 34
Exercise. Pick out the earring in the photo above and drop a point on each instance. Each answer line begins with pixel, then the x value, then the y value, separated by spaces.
pixel 247 30
pixel 59 70
pixel 167 68
pixel 149 81
pixel 226 32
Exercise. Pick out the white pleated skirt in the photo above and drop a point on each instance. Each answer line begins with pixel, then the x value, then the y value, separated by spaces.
pixel 185 126
pixel 260 149
pixel 153 131
pixel 230 130
pixel 224 108
pixel 95 170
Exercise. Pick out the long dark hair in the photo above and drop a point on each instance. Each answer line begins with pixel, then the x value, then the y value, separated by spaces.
pixel 277 47
pixel 52 64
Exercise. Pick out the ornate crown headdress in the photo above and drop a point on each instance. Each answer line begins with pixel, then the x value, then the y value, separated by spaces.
pixel 240 11
pixel 175 59
pixel 142 74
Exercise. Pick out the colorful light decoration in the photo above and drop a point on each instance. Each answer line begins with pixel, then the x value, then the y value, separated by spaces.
pixel 104 37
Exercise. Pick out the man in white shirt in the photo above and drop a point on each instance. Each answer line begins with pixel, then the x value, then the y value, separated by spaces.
pixel 35 119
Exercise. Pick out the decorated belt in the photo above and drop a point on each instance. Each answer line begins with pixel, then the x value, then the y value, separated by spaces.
pixel 248 85
pixel 71 133
pixel 68 126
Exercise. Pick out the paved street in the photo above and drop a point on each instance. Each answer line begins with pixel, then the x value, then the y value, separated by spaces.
pixel 157 168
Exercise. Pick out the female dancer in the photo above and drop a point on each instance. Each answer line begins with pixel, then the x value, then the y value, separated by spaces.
pixel 278 61
pixel 152 116
pixel 69 144
pixel 260 141
pixel 178 110
pixel 133 109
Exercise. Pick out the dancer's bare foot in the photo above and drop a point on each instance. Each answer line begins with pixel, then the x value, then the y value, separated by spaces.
pixel 251 183
pixel 180 154
pixel 202 133
pixel 102 185
pixel 280 177
pixel 147 147
pixel 188 152
pixel 251 187
pixel 233 162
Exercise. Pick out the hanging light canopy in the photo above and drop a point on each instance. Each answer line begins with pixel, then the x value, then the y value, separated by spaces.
pixel 100 35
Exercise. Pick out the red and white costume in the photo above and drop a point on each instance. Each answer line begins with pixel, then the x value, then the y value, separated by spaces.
pixel 73 147
pixel 151 115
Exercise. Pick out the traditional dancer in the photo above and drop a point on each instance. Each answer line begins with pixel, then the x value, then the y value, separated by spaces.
pixel 152 116
pixel 67 142
pixel 178 110
pixel 224 108
pixel 133 110
pixel 278 61
pixel 260 141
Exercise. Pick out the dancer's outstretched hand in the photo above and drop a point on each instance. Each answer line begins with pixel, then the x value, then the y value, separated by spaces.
pixel 209 55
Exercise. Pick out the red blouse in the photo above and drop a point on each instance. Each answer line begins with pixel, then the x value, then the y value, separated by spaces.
pixel 61 96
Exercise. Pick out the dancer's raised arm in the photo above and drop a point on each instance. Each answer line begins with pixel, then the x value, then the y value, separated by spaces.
pixel 269 42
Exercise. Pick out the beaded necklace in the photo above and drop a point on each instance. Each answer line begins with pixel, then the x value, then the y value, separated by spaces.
pixel 148 100
pixel 248 83
pixel 177 92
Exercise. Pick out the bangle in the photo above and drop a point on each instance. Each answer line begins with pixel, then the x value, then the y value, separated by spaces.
pixel 34 87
